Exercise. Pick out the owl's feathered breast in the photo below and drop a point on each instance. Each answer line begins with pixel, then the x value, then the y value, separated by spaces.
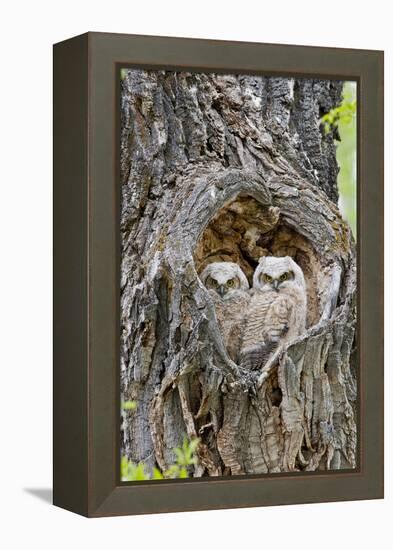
pixel 267 310
pixel 272 318
pixel 231 314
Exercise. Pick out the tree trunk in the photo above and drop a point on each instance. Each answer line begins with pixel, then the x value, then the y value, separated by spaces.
pixel 219 167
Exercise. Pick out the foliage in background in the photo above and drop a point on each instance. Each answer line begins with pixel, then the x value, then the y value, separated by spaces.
pixel 185 457
pixel 344 118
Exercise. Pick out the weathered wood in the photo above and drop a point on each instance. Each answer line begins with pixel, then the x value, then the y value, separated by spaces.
pixel 218 167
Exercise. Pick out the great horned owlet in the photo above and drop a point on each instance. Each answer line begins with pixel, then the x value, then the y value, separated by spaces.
pixel 229 288
pixel 277 310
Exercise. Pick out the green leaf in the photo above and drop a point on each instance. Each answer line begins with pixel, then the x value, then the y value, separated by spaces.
pixel 194 444
pixel 181 459
pixel 157 474
pixel 132 472
pixel 129 405
pixel 124 468
pixel 139 472
pixel 185 456
pixel 171 472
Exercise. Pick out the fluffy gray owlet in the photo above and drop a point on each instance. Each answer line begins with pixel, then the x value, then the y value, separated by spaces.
pixel 229 288
pixel 277 310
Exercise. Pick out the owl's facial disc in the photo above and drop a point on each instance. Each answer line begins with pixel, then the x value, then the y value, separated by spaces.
pixel 223 287
pixel 276 281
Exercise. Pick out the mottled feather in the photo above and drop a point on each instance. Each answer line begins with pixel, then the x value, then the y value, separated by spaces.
pixel 276 313
pixel 231 301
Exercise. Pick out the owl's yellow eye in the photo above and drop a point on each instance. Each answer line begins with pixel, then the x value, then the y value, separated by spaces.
pixel 267 278
pixel 231 283
pixel 284 277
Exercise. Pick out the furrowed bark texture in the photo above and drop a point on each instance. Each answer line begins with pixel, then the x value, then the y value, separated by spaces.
pixel 217 167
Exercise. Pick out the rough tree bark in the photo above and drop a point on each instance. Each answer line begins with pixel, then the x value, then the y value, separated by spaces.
pixel 218 167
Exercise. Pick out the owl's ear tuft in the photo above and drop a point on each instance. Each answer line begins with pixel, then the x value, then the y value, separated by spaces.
pixel 261 260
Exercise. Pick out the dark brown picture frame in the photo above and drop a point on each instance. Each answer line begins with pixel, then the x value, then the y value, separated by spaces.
pixel 86 274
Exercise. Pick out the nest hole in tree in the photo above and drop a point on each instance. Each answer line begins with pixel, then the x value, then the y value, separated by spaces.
pixel 243 230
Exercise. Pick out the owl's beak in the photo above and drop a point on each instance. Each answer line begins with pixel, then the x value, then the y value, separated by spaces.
pixel 275 284
pixel 221 290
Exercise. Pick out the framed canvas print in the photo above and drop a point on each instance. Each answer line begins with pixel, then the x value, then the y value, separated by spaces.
pixel 218 274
